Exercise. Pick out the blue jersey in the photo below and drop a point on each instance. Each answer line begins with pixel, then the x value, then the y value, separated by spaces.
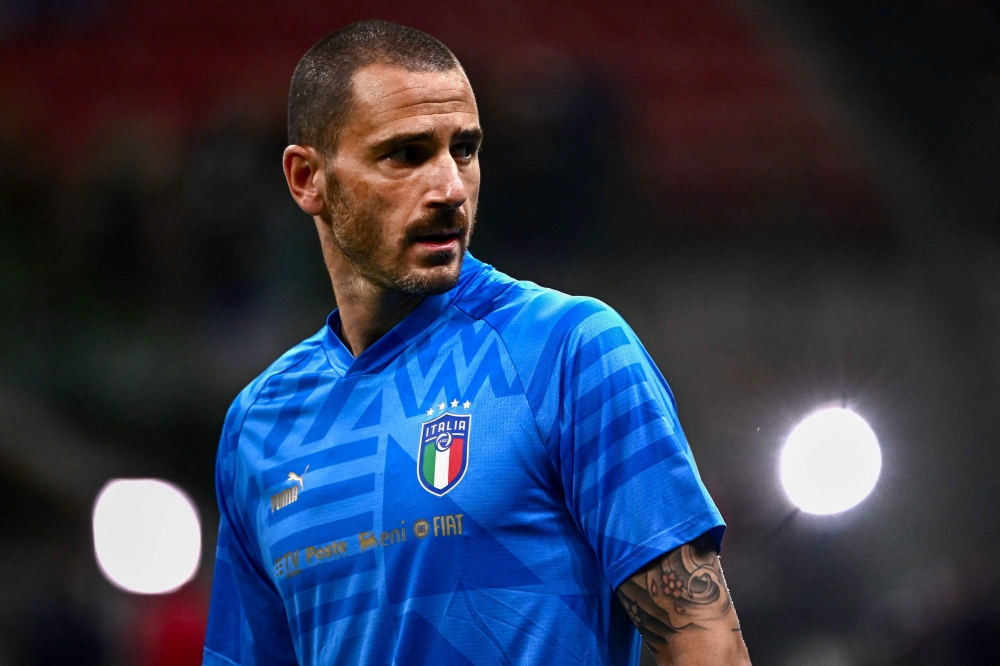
pixel 469 490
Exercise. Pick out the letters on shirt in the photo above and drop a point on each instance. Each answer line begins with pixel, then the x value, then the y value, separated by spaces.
pixel 292 563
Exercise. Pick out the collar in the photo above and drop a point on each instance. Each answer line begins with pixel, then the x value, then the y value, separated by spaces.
pixel 389 346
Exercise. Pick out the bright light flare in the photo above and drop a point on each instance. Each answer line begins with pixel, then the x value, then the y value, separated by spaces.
pixel 831 462
pixel 147 536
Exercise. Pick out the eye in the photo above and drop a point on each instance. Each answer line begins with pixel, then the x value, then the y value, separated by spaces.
pixel 407 155
pixel 464 150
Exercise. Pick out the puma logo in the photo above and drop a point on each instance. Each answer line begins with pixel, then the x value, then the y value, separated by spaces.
pixel 297 478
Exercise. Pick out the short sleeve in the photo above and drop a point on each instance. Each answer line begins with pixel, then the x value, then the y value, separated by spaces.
pixel 629 476
pixel 247 623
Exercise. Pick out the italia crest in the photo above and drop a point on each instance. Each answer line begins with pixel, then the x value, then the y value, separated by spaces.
pixel 444 452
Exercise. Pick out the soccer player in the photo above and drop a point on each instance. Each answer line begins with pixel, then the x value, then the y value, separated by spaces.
pixel 458 468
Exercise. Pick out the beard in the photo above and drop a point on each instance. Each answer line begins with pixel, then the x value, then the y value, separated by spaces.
pixel 359 232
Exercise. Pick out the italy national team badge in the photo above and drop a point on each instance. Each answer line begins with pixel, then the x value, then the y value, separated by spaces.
pixel 444 452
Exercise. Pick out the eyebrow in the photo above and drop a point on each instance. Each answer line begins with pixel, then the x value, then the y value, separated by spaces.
pixel 471 134
pixel 397 141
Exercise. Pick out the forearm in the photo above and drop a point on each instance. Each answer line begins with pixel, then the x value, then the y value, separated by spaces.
pixel 683 610
pixel 719 650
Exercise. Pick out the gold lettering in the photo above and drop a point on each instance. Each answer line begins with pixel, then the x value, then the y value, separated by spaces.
pixel 458 517
pixel 284 498
pixel 310 553
pixel 450 528
pixel 295 558
pixel 367 541
pixel 394 536
pixel 437 525
pixel 342 546
pixel 384 539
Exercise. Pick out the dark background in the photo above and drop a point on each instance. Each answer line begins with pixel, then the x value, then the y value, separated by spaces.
pixel 793 202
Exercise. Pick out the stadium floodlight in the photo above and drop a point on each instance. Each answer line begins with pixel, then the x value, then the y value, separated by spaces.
pixel 830 462
pixel 147 536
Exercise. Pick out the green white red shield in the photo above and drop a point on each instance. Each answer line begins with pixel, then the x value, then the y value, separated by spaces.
pixel 444 452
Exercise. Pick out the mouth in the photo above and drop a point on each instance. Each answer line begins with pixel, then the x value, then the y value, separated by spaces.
pixel 438 241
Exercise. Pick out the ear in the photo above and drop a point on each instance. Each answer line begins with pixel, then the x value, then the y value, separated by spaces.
pixel 306 179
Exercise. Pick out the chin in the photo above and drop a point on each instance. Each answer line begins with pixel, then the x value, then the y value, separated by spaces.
pixel 432 280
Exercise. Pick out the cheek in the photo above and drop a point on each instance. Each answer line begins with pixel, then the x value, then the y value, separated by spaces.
pixel 362 190
pixel 398 206
pixel 371 199
pixel 383 210
pixel 473 203
pixel 472 183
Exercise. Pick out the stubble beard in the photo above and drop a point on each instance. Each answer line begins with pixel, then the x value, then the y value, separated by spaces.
pixel 358 232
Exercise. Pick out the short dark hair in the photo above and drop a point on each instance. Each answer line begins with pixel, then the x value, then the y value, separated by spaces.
pixel 321 94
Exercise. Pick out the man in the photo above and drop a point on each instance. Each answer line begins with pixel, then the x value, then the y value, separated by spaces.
pixel 459 468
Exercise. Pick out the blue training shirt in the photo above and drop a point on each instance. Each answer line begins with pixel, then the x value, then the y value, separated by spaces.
pixel 470 490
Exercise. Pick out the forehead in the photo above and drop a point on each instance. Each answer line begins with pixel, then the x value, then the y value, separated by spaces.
pixel 388 100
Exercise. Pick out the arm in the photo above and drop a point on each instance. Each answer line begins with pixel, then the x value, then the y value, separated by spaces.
pixel 247 623
pixel 681 606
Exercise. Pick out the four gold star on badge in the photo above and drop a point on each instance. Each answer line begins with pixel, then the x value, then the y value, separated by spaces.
pixel 454 404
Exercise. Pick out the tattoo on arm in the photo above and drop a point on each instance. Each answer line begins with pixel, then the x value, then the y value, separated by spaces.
pixel 681 592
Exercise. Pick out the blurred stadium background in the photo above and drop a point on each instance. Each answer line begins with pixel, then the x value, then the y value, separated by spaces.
pixel 794 203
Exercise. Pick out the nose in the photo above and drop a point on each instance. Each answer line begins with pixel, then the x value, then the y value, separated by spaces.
pixel 448 189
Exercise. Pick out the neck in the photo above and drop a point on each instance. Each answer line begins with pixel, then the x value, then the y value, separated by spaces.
pixel 367 310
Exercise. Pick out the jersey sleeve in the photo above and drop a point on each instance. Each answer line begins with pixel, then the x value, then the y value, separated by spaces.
pixel 627 471
pixel 247 623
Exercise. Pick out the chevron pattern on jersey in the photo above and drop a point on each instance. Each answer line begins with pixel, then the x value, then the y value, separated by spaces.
pixel 372 415
pixel 440 374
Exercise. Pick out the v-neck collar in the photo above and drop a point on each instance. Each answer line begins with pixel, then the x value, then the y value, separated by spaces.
pixel 389 346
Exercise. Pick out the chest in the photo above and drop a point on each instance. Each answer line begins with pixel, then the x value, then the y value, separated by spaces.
pixel 354 473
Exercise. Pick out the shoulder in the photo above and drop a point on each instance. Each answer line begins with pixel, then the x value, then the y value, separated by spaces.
pixel 544 329
pixel 306 358
pixel 525 312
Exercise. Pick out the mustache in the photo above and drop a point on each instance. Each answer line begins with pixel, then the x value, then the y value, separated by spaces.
pixel 448 220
